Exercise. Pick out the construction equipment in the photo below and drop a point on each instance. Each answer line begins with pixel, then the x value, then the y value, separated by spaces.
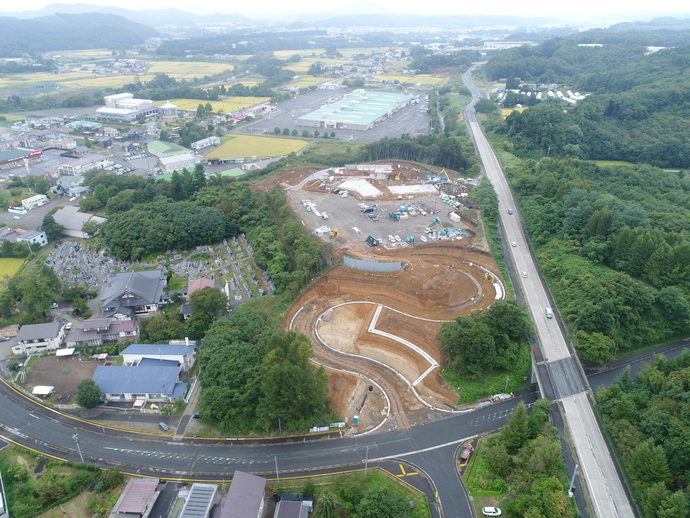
pixel 333 233
pixel 489 277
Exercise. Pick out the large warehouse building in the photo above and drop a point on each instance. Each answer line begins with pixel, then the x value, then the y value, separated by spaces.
pixel 360 110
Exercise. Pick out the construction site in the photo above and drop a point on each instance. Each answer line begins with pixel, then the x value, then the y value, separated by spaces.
pixel 374 319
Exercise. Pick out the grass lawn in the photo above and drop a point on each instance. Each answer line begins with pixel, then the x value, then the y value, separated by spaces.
pixel 9 266
pixel 245 146
pixel 603 163
pixel 12 118
pixel 507 111
pixel 330 147
pixel 227 105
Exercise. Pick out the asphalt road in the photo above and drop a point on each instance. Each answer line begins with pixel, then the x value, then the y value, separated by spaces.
pixel 607 493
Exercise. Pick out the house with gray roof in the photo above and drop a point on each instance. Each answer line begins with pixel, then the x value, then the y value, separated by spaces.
pixel 134 294
pixel 200 501
pixel 95 331
pixel 147 383
pixel 245 498
pixel 38 338
pixel 181 352
pixel 72 221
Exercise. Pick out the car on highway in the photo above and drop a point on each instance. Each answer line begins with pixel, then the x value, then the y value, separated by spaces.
pixel 491 511
pixel 510 212
pixel 514 243
pixel 524 274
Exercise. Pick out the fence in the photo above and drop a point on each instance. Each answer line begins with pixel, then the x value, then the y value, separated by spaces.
pixel 372 265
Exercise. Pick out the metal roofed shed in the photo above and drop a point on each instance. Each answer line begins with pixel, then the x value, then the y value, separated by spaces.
pixel 136 497
pixel 245 498
pixel 200 501
pixel 65 352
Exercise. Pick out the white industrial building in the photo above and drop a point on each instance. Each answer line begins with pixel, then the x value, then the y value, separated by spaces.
pixel 35 201
pixel 124 107
pixel 177 162
pixel 210 141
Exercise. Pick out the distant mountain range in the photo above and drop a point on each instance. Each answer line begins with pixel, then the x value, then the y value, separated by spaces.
pixel 69 31
pixel 356 14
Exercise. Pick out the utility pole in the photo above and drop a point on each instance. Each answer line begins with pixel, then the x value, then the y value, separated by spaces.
pixel 76 439
pixel 366 462
pixel 275 457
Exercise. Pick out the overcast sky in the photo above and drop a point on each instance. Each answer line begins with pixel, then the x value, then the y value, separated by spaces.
pixel 624 10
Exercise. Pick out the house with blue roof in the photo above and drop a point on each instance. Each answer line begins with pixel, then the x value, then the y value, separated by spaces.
pixel 143 383
pixel 182 352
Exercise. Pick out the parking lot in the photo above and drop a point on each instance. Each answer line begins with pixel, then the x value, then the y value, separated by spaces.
pixel 412 119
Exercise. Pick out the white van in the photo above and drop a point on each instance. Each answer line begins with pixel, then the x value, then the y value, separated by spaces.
pixel 549 313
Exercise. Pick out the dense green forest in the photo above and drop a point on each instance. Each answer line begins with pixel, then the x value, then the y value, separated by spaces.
pixel 638 111
pixel 613 243
pixel 69 31
pixel 648 420
pixel 252 375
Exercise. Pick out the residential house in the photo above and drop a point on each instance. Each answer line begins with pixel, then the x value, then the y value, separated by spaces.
pixel 292 506
pixel 9 331
pixel 134 294
pixel 137 498
pixel 183 353
pixel 37 338
pixel 33 237
pixel 156 380
pixel 96 331
pixel 245 498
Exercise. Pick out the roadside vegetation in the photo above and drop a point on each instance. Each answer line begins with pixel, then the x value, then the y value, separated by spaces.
pixel 378 495
pixel 646 419
pixel 34 484
pixel 487 351
pixel 521 470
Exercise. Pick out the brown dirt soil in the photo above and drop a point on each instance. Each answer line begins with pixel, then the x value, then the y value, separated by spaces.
pixel 48 370
pixel 291 176
pixel 443 282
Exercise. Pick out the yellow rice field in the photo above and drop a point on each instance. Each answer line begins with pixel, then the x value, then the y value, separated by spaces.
pixel 188 69
pixel 228 105
pixel 307 81
pixel 507 111
pixel 246 146
pixel 9 266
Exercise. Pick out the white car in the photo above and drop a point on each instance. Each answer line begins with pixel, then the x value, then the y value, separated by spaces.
pixel 391 239
pixel 491 511
pixel 423 238
pixel 524 274
pixel 514 243
pixel 17 217
pixel 397 238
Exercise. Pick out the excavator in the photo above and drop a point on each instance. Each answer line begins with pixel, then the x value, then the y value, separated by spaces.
pixel 489 277
pixel 333 233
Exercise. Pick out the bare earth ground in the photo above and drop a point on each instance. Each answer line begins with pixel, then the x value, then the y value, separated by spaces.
pixel 444 282
pixel 62 373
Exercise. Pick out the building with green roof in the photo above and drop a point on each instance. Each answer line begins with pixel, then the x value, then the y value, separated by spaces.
pixel 163 149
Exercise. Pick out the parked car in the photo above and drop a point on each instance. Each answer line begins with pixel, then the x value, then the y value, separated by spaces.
pixel 165 428
pixel 491 511
pixel 397 238
pixel 53 305
pixel 17 217
pixel 196 415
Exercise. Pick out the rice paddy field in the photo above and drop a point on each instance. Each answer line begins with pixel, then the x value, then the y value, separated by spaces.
pixel 188 69
pixel 69 80
pixel 307 81
pixel 228 105
pixel 423 79
pixel 246 146
pixel 9 266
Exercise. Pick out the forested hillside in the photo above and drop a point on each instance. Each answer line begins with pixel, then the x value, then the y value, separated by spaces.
pixel 613 241
pixel 647 418
pixel 638 111
pixel 69 31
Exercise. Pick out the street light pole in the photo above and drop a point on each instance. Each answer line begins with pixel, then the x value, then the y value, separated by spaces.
pixel 572 481
pixel 76 439
pixel 366 463
pixel 275 457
